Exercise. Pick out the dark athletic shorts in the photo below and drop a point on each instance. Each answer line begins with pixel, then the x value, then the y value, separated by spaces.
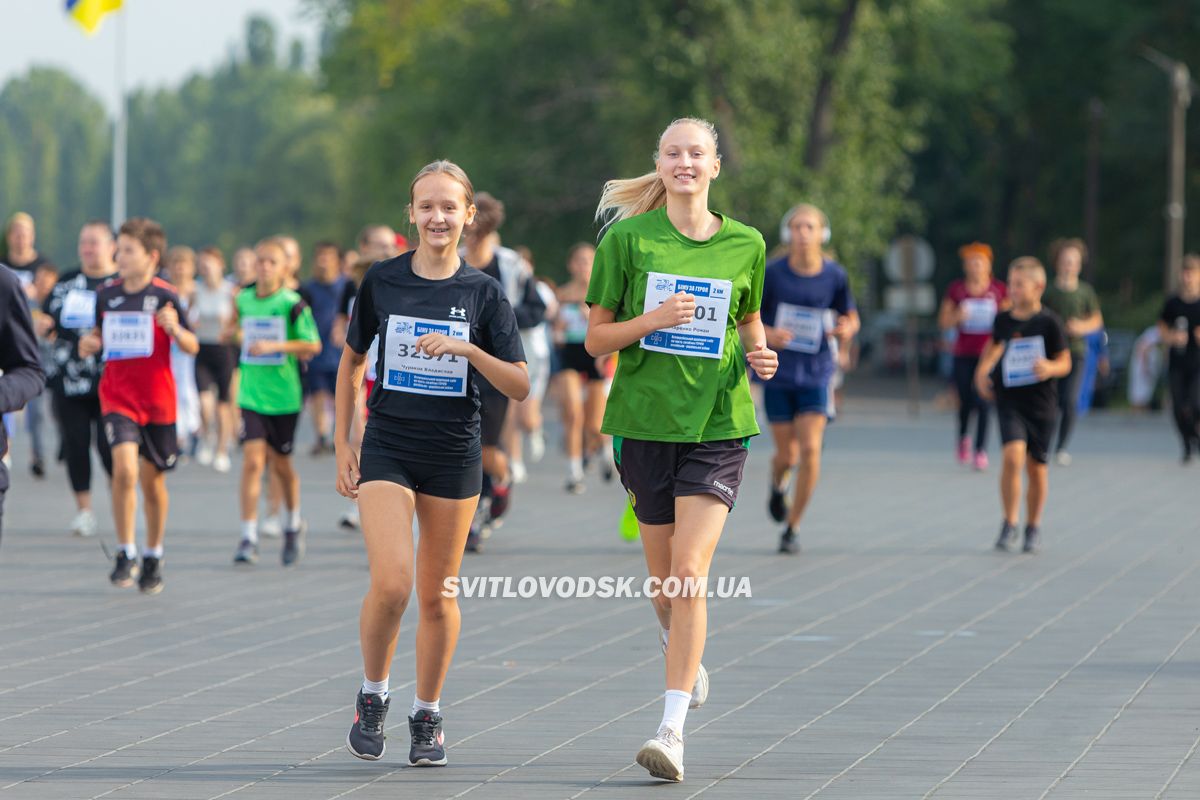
pixel 157 444
pixel 453 482
pixel 278 429
pixel 655 473
pixel 214 369
pixel 784 405
pixel 493 408
pixel 319 379
pixel 575 356
pixel 1016 426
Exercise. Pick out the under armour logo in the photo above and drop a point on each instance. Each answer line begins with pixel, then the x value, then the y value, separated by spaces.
pixel 458 313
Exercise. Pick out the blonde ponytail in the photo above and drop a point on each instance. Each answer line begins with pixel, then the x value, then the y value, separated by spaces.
pixel 627 197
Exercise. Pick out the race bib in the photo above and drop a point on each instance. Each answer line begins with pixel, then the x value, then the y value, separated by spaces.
pixel 405 369
pixel 978 314
pixel 79 309
pixel 807 326
pixel 263 329
pixel 1019 357
pixel 128 334
pixel 705 335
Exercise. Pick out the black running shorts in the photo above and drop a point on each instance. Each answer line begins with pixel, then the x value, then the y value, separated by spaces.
pixel 453 481
pixel 655 473
pixel 157 444
pixel 493 408
pixel 279 430
pixel 1017 426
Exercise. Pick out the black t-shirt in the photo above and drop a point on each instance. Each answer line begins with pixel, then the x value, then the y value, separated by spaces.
pixel 73 375
pixel 420 406
pixel 1036 400
pixel 1173 311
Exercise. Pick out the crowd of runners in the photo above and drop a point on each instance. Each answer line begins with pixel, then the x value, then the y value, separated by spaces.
pixel 423 368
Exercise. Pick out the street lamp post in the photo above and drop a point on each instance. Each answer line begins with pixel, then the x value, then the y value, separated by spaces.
pixel 1176 208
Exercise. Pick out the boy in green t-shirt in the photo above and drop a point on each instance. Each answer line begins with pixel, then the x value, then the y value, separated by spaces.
pixel 1076 303
pixel 276 329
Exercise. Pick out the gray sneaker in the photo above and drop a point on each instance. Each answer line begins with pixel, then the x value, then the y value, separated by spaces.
pixel 247 553
pixel 662 756
pixel 293 545
pixel 700 687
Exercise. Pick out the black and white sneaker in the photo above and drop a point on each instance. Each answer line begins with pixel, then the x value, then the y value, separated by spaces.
pixel 125 570
pixel 428 742
pixel 247 553
pixel 150 581
pixel 365 739
pixel 293 545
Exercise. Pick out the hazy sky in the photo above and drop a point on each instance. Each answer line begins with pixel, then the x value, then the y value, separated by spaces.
pixel 166 40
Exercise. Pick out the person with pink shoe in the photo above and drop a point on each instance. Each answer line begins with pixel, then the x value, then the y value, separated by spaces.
pixel 969 308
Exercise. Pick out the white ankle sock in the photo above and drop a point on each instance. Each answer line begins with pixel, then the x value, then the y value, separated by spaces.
pixel 130 550
pixel 250 530
pixel 577 469
pixel 375 687
pixel 675 708
pixel 153 552
pixel 293 519
pixel 432 706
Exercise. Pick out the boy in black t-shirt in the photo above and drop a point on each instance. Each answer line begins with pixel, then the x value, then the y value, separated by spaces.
pixel 1027 352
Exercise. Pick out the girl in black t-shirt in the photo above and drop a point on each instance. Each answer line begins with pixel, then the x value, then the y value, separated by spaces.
pixel 440 323
pixel 1179 326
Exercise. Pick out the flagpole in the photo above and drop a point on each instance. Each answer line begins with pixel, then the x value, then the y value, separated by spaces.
pixel 119 134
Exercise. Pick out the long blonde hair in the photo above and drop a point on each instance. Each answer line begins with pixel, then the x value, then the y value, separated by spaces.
pixel 627 197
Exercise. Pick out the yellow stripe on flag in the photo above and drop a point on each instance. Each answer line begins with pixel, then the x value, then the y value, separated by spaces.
pixel 89 13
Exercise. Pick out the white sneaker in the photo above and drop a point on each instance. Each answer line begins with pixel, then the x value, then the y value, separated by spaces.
pixel 221 463
pixel 349 520
pixel 519 473
pixel 662 756
pixel 700 687
pixel 204 455
pixel 84 523
pixel 1063 459
pixel 271 527
pixel 537 446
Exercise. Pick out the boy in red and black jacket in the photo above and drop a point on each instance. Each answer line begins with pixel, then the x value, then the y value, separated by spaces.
pixel 138 317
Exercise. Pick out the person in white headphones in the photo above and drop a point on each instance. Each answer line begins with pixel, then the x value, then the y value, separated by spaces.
pixel 808 310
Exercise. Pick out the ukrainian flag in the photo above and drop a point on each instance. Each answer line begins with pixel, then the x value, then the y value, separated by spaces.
pixel 88 13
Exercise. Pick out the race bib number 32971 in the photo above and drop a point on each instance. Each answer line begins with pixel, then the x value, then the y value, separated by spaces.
pixel 704 336
pixel 405 369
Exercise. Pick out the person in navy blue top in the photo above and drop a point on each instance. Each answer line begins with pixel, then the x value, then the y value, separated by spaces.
pixel 323 294
pixel 809 314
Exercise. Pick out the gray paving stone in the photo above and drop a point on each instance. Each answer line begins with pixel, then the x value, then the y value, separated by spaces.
pixel 897 655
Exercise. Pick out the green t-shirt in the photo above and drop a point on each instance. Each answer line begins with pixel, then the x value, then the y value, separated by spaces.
pixel 272 386
pixel 1078 304
pixel 678 398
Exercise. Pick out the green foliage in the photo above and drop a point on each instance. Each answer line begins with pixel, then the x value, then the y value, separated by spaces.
pixel 956 119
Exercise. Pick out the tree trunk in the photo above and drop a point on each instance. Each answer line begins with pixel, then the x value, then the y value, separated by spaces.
pixel 820 127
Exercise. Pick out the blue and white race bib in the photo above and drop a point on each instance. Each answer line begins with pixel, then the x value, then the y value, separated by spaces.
pixel 405 369
pixel 79 309
pixel 704 336
pixel 263 329
pixel 1019 357
pixel 807 326
pixel 128 334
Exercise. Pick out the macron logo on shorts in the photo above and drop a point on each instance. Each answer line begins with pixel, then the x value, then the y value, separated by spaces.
pixel 723 488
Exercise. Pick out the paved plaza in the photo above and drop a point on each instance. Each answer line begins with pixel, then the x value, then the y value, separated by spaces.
pixel 897 656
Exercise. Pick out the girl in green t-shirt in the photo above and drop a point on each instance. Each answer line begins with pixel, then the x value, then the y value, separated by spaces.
pixel 676 289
